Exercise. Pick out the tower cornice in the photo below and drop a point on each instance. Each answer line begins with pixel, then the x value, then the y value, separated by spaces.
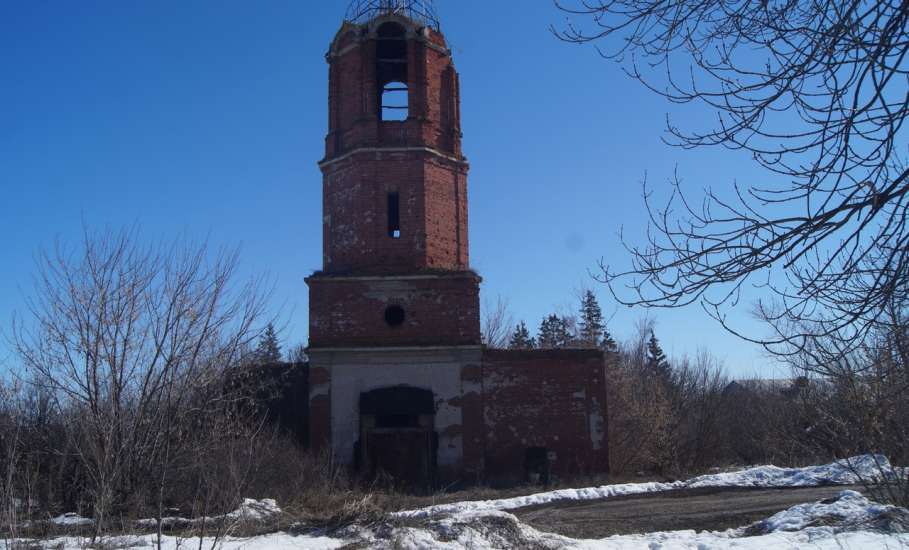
pixel 324 163
pixel 360 33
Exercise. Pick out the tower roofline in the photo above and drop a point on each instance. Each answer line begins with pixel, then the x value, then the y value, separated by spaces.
pixel 419 11
pixel 351 33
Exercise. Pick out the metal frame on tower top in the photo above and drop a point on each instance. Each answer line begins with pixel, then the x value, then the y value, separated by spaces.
pixel 362 11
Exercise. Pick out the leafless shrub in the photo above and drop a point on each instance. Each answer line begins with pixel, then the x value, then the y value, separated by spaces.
pixel 668 423
pixel 697 401
pixel 497 324
pixel 10 450
pixel 128 341
pixel 639 409
pixel 856 395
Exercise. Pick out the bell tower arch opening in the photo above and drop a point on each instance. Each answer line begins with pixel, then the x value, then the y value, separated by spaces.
pixel 391 72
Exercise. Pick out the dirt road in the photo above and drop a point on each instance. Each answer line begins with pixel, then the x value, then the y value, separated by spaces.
pixel 698 509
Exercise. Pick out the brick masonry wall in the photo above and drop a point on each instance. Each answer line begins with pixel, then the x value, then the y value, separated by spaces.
pixel 542 398
pixel 510 400
pixel 439 309
pixel 354 117
pixel 433 213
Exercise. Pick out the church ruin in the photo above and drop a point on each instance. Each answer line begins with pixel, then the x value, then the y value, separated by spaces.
pixel 399 380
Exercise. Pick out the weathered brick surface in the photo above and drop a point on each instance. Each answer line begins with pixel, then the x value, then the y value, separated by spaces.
pixel 441 309
pixel 419 158
pixel 354 108
pixel 319 408
pixel 491 405
pixel 554 399
pixel 433 214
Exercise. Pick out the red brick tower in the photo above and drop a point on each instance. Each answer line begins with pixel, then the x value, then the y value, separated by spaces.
pixel 394 316
pixel 399 381
pixel 395 255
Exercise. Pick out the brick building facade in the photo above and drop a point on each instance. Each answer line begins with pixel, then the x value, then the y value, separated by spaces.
pixel 399 380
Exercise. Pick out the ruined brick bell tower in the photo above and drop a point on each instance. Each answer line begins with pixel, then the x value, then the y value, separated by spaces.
pixel 394 313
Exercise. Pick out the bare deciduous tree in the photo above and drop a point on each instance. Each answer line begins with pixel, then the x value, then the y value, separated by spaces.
pixel 815 92
pixel 132 341
pixel 497 324
pixel 10 451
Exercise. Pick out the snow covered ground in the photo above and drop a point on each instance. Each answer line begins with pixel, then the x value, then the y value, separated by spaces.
pixel 848 521
pixel 866 468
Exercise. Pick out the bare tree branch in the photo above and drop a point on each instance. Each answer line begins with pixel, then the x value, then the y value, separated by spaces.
pixel 816 92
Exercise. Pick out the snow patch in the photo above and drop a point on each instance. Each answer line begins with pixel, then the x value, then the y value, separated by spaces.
pixel 847 521
pixel 849 510
pixel 249 510
pixel 841 522
pixel 275 541
pixel 588 493
pixel 71 519
pixel 255 510
pixel 866 468
pixel 850 471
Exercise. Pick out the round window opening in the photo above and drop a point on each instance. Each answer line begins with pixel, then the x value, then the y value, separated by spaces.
pixel 394 316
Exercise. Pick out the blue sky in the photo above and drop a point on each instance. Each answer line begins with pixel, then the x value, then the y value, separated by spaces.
pixel 207 119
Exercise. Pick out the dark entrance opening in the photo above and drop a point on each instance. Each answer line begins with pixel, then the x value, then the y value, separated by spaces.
pixel 536 465
pixel 397 436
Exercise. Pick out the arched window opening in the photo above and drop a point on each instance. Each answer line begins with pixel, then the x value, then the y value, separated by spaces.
pixel 394 101
pixel 391 72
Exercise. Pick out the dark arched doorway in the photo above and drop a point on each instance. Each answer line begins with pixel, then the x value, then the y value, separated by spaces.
pixel 397 436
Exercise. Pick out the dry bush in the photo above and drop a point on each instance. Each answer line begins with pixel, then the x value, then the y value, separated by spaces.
pixel 669 423
pixel 852 397
pixel 698 401
pixel 127 345
pixel 497 324
pixel 639 410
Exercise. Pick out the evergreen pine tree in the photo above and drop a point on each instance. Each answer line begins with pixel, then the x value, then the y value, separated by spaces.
pixel 555 332
pixel 521 338
pixel 657 365
pixel 608 344
pixel 591 329
pixel 268 351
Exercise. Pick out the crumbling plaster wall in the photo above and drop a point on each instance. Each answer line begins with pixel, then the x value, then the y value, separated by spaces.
pixel 353 372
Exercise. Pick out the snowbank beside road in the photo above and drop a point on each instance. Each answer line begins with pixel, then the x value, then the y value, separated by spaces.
pixel 848 511
pixel 842 472
pixel 847 521
pixel 850 471
pixel 589 493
